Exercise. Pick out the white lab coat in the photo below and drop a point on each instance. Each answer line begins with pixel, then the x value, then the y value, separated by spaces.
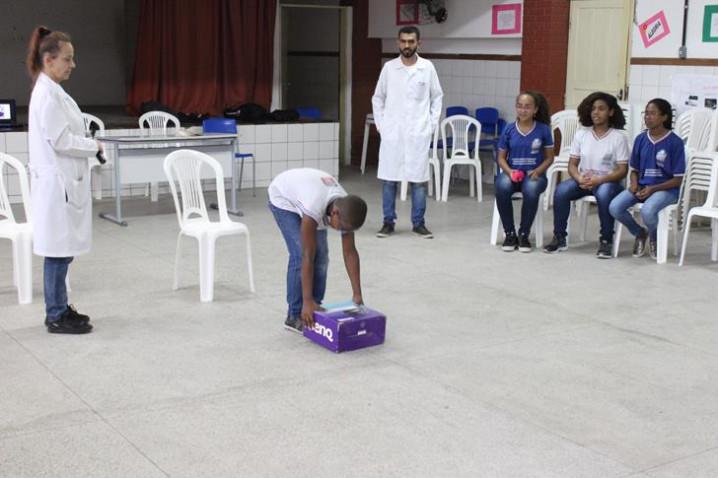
pixel 407 108
pixel 59 172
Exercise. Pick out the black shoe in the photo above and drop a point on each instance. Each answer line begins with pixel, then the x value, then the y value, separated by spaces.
pixel 67 324
pixel 639 245
pixel 652 249
pixel 386 230
pixel 75 315
pixel 605 249
pixel 423 231
pixel 511 242
pixel 557 244
pixel 524 244
pixel 294 324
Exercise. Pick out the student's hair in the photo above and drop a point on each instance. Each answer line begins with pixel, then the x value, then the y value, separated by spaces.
pixel 666 109
pixel 43 41
pixel 616 120
pixel 542 115
pixel 409 30
pixel 352 210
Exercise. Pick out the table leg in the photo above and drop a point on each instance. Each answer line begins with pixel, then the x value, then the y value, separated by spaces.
pixel 117 218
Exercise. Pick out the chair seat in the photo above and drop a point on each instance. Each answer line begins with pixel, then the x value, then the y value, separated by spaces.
pixel 9 230
pixel 216 228
pixel 243 155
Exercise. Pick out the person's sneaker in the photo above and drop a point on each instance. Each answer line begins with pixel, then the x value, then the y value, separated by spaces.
pixel 557 244
pixel 639 245
pixel 386 230
pixel 524 244
pixel 67 324
pixel 652 249
pixel 605 249
pixel 422 231
pixel 511 242
pixel 75 315
pixel 294 324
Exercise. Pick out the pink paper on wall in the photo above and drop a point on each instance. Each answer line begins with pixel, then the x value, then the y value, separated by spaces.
pixel 654 29
pixel 506 19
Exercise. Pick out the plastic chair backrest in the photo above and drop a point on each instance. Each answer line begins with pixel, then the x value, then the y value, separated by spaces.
pixel 712 140
pixel 457 110
pixel 459 127
pixel 694 126
pixel 158 120
pixel 184 167
pixel 310 113
pixel 219 125
pixel 90 120
pixel 7 161
pixel 566 122
pixel 489 119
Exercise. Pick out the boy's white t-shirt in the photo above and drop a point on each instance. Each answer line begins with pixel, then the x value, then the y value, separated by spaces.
pixel 305 191
pixel 599 156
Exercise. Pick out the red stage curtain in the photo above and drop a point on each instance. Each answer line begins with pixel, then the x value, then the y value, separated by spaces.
pixel 203 56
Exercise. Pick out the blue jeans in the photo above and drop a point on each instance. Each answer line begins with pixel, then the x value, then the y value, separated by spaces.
pixel 569 191
pixel 531 189
pixel 418 202
pixel 649 211
pixel 54 274
pixel 290 224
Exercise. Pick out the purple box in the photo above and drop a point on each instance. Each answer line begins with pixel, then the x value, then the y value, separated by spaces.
pixel 340 331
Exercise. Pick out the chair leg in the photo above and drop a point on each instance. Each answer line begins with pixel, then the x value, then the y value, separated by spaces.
pixel 662 237
pixel 404 190
pixel 539 226
pixel 15 262
pixel 583 221
pixel 431 183
pixel 616 238
pixel 472 188
pixel 684 242
pixel 437 183
pixel 495 221
pixel 241 173
pixel 254 177
pixel 445 185
pixel 23 250
pixel 714 237
pixel 206 268
pixel 479 183
pixel 154 192
pixel 175 281
pixel 96 179
pixel 250 269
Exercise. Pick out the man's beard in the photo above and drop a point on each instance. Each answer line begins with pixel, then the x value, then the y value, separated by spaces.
pixel 408 52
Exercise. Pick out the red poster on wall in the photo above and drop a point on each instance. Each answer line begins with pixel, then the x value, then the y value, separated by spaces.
pixel 407 12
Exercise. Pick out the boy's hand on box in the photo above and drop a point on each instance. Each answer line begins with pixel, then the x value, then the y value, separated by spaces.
pixel 308 309
pixel 357 299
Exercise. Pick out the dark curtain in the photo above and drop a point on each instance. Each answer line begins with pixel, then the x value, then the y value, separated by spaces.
pixel 203 56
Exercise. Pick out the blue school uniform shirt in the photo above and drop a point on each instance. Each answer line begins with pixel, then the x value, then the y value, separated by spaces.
pixel 658 161
pixel 525 151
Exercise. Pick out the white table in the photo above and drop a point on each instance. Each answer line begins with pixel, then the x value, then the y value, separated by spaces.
pixel 148 148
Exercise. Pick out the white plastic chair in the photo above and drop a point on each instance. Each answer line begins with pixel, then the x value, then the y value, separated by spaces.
pixel 157 121
pixel 537 225
pixel 697 178
pixel 694 127
pixel 461 151
pixel 709 208
pixel 566 122
pixel 184 167
pixel 19 233
pixel 95 166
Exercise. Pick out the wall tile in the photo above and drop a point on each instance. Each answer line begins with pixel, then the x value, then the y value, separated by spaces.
pixel 326 150
pixel 279 133
pixel 311 132
pixel 295 151
pixel 295 132
pixel 279 152
pixel 16 142
pixel 246 133
pixel 263 152
pixel 326 131
pixel 2 142
pixel 263 134
pixel 311 150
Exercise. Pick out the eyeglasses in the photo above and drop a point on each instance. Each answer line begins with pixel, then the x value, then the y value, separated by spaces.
pixel 652 113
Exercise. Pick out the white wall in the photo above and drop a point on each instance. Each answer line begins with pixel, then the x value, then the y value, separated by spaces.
pixel 668 46
pixel 99 34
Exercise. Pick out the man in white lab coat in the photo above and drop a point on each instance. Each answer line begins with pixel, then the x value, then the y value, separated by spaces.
pixel 407 108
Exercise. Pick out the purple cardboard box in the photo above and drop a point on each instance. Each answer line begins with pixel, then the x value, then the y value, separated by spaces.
pixel 347 330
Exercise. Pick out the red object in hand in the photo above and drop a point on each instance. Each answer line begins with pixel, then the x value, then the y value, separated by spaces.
pixel 517 175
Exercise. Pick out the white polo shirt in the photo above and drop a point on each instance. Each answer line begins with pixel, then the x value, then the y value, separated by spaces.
pixel 599 156
pixel 305 191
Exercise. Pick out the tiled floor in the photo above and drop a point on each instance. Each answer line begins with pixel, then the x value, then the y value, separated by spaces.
pixel 495 364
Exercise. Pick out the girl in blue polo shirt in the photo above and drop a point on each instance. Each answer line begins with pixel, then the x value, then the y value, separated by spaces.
pixel 525 152
pixel 658 163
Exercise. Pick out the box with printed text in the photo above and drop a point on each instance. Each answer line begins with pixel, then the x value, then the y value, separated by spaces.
pixel 343 330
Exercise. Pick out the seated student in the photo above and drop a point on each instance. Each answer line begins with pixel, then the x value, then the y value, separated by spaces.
pixel 525 152
pixel 657 165
pixel 304 202
pixel 598 161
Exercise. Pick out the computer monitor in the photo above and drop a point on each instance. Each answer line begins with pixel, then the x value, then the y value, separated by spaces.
pixel 8 117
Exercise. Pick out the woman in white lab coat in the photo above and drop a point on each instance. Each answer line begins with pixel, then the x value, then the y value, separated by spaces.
pixel 59 175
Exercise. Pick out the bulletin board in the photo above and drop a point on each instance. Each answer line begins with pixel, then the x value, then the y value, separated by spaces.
pixel 710 23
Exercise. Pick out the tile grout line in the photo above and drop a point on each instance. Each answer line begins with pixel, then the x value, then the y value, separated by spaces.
pixel 83 401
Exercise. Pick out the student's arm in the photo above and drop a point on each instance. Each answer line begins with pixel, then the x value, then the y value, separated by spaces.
pixel 573 169
pixel 308 233
pixel 633 182
pixel 351 262
pixel 503 162
pixel 618 173
pixel 541 168
pixel 646 191
pixel 502 157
